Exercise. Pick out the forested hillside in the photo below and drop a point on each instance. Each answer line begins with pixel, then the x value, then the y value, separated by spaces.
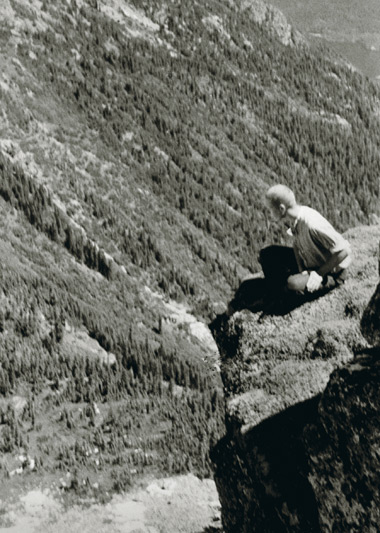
pixel 137 140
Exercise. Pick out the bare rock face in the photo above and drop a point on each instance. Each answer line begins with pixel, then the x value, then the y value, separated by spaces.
pixel 274 20
pixel 342 448
pixel 302 450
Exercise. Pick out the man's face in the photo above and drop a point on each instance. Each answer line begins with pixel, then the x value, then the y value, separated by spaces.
pixel 277 211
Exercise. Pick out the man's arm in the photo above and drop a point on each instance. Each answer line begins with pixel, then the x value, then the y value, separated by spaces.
pixel 314 282
pixel 325 237
pixel 298 259
pixel 333 261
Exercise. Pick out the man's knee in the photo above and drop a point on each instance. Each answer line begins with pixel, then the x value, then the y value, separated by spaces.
pixel 297 283
pixel 291 284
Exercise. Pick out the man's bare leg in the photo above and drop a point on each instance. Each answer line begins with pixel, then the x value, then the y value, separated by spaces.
pixel 298 282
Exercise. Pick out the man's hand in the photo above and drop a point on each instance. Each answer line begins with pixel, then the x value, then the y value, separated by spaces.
pixel 314 283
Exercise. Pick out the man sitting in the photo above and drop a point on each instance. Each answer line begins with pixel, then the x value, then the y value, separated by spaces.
pixel 316 263
pixel 320 255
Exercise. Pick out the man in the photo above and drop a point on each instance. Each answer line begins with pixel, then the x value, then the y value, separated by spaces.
pixel 320 255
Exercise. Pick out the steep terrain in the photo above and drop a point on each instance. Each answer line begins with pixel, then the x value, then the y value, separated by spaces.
pixel 136 141
pixel 302 409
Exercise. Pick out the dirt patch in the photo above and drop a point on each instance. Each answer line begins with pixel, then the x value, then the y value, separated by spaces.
pixel 170 505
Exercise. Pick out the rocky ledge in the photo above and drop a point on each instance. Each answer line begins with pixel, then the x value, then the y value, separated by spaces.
pixel 302 450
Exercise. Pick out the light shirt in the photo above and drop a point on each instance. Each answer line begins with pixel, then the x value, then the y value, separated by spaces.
pixel 316 240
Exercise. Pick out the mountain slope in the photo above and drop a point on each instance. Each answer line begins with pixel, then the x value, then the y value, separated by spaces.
pixel 137 140
pixel 169 119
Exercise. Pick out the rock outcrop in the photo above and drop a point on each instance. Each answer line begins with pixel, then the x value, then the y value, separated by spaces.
pixel 302 449
pixel 370 323
pixel 274 21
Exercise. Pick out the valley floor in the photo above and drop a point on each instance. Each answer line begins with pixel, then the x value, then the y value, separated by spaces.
pixel 178 504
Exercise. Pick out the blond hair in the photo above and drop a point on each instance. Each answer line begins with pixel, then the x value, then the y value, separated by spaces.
pixel 281 194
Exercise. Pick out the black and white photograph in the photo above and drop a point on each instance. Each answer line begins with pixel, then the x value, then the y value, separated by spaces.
pixel 190 263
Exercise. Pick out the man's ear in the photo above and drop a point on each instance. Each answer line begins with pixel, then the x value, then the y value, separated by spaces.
pixel 283 209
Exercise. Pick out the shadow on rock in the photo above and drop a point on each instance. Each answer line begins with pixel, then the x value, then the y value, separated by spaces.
pixel 252 295
pixel 256 296
pixel 264 474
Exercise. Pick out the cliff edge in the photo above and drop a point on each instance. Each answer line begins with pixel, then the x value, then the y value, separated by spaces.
pixel 302 449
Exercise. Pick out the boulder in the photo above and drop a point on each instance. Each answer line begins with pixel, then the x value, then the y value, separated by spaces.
pixel 370 323
pixel 302 452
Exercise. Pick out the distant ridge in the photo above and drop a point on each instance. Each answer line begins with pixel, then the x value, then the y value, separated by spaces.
pixel 348 27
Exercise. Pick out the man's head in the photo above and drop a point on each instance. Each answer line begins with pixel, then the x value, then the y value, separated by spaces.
pixel 280 199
